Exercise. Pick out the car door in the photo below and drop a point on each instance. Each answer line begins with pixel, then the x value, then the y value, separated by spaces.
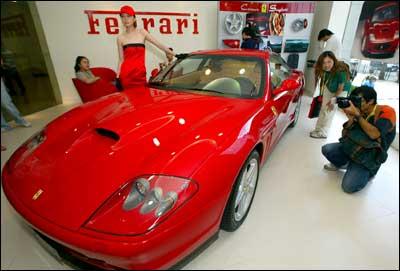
pixel 266 117
pixel 280 98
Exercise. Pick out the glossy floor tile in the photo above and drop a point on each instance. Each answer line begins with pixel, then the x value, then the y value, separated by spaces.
pixel 300 218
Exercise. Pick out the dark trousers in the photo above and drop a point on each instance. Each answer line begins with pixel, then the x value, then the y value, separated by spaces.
pixel 12 76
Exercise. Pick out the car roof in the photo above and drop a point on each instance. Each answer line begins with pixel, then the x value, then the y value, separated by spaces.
pixel 234 52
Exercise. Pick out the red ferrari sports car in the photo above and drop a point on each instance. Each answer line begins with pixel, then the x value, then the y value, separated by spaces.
pixel 381 32
pixel 141 179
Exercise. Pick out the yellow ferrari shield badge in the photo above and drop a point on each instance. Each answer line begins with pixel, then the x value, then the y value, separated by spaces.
pixel 274 110
pixel 37 194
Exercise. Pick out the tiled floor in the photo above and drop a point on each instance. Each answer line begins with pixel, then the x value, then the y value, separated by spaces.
pixel 299 219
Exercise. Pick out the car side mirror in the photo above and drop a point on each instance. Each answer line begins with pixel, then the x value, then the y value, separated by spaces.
pixel 154 72
pixel 277 91
pixel 288 84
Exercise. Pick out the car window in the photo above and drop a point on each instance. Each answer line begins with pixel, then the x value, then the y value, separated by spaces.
pixel 279 70
pixel 190 66
pixel 384 14
pixel 238 76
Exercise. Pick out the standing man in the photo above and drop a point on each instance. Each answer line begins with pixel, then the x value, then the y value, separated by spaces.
pixel 10 72
pixel 329 42
pixel 7 104
pixel 249 39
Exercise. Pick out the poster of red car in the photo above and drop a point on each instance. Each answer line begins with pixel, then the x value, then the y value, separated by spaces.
pixel 377 35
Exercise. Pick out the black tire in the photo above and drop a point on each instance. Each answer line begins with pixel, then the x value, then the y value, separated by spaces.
pixel 228 222
pixel 297 113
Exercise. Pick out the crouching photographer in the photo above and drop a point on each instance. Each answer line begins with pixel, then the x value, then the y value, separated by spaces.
pixel 366 137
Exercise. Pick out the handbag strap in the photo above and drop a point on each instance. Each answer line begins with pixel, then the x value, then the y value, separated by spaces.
pixel 324 82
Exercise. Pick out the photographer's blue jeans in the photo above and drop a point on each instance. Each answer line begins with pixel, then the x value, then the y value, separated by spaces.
pixel 356 176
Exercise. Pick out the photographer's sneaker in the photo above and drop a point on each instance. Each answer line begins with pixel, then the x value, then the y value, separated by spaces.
pixel 317 134
pixel 332 167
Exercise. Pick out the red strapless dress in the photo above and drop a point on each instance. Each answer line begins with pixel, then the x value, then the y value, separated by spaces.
pixel 133 69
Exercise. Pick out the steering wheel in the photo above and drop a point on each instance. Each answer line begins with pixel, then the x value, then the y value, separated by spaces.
pixel 225 85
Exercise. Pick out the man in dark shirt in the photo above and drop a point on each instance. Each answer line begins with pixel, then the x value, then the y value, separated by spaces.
pixel 249 41
pixel 367 136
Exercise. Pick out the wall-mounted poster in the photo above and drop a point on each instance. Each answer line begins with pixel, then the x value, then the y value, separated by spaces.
pixel 377 35
pixel 280 27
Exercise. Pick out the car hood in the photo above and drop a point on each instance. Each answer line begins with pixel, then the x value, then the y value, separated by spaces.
pixel 93 150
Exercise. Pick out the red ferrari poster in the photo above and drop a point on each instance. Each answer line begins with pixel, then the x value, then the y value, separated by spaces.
pixel 377 35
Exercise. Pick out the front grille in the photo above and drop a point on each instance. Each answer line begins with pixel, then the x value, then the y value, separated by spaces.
pixel 76 259
pixel 383 46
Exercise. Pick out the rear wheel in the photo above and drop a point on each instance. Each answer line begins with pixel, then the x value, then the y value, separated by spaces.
pixel 242 195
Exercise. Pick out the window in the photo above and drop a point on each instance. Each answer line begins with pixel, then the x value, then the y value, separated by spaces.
pixel 237 76
pixel 387 13
pixel 279 70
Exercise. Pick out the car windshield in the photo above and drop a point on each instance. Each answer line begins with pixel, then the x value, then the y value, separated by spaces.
pixel 384 14
pixel 233 76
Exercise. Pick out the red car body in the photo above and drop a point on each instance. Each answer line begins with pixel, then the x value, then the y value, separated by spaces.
pixel 78 170
pixel 381 32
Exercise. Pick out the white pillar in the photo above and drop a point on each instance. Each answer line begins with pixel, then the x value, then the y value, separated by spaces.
pixel 351 28
pixel 321 20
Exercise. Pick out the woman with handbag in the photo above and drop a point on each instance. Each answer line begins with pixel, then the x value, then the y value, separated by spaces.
pixel 332 76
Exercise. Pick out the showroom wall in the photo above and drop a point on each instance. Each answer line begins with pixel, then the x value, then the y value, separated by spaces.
pixel 66 27
pixel 339 17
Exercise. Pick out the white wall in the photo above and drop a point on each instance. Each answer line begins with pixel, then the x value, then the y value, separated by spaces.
pixel 351 28
pixel 338 18
pixel 321 21
pixel 66 25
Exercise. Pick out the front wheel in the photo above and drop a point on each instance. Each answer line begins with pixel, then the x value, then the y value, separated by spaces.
pixel 242 195
pixel 296 113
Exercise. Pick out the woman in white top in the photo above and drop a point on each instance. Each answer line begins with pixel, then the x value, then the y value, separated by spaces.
pixel 329 42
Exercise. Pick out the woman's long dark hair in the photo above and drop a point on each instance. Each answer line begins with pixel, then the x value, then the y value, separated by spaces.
pixel 78 60
pixel 319 71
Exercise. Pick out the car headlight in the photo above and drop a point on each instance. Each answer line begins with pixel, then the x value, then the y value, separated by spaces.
pixel 372 37
pixel 34 141
pixel 25 149
pixel 141 204
pixel 396 34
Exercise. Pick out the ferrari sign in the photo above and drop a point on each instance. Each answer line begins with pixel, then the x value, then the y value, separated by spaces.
pixel 167 23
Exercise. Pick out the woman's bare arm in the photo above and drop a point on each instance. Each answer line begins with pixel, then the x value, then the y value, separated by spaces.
pixel 158 44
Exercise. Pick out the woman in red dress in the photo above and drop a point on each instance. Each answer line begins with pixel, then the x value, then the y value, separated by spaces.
pixel 131 49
